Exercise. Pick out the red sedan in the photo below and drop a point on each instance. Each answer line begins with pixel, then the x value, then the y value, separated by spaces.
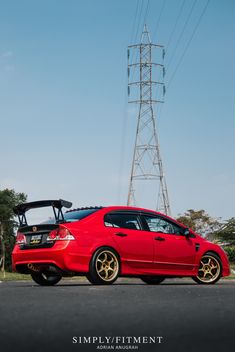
pixel 104 243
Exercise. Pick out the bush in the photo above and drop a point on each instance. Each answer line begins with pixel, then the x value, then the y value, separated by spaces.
pixel 231 253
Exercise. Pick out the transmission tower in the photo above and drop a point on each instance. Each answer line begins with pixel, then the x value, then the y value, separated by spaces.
pixel 146 89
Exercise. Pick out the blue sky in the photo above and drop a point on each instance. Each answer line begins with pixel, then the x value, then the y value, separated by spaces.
pixel 66 130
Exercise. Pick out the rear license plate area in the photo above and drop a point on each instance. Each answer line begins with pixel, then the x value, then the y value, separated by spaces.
pixel 35 239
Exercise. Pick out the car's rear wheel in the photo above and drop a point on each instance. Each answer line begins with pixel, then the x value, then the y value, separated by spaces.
pixel 152 280
pixel 104 267
pixel 46 278
pixel 210 269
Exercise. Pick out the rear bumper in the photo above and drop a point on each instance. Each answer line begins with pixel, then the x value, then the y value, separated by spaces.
pixel 64 255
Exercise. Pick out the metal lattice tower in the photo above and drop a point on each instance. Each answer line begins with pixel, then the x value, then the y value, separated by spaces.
pixel 146 88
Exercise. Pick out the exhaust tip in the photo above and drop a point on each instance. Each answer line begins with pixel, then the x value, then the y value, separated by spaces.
pixel 33 267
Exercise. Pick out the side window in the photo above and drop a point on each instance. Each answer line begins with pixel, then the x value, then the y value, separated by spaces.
pixel 122 220
pixel 157 224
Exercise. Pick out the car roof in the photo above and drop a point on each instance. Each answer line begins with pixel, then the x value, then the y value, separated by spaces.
pixel 109 208
pixel 144 210
pixel 138 209
pixel 114 207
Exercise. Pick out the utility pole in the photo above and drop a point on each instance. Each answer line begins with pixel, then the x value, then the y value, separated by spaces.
pixel 146 89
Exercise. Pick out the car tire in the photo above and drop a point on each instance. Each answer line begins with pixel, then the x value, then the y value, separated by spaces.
pixel 104 267
pixel 46 278
pixel 210 269
pixel 152 280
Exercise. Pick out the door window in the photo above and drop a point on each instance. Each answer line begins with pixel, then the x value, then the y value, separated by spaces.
pixel 122 220
pixel 158 224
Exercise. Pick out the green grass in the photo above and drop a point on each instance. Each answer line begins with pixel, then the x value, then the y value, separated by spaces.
pixel 13 276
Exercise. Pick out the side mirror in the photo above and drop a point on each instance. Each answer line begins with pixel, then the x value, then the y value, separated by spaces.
pixel 186 232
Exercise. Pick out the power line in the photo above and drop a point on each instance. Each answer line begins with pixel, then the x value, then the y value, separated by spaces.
pixel 182 32
pixel 159 111
pixel 188 43
pixel 135 18
pixel 135 30
pixel 146 14
pixel 140 14
pixel 143 22
pixel 175 25
pixel 159 18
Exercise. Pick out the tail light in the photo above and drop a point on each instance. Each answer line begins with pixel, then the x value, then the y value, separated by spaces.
pixel 20 238
pixel 61 234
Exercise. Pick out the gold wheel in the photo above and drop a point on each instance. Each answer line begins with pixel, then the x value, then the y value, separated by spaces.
pixel 107 265
pixel 209 269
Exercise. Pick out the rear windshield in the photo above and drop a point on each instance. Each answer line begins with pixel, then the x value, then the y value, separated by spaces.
pixel 78 214
pixel 74 215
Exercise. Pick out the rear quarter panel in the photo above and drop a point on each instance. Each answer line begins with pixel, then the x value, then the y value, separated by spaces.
pixel 90 234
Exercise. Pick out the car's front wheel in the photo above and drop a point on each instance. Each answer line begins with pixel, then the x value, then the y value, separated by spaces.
pixel 152 280
pixel 210 269
pixel 104 267
pixel 46 278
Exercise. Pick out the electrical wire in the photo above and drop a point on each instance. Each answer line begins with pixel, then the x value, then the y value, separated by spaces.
pixel 160 109
pixel 175 25
pixel 135 31
pixel 138 26
pixel 182 33
pixel 146 14
pixel 159 18
pixel 134 51
pixel 188 43
pixel 134 22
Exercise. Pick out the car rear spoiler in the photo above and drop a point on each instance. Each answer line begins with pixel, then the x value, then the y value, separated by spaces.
pixel 57 206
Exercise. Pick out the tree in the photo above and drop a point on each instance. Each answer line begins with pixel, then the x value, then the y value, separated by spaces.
pixel 199 221
pixel 8 200
pixel 226 232
pixel 226 237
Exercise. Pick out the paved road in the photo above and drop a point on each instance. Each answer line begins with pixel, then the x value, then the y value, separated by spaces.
pixel 187 316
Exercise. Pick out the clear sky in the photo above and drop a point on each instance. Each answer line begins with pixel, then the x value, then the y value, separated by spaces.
pixel 65 128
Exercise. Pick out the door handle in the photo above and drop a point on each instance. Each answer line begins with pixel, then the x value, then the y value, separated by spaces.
pixel 121 234
pixel 159 238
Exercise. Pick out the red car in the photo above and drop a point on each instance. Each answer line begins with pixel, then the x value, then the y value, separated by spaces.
pixel 104 243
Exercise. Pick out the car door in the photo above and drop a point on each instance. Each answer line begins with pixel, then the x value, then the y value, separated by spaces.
pixel 134 245
pixel 174 253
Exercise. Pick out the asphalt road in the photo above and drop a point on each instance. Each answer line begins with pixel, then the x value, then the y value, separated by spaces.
pixel 183 315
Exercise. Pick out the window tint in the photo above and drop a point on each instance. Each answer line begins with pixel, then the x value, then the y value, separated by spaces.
pixel 122 220
pixel 78 214
pixel 74 215
pixel 157 224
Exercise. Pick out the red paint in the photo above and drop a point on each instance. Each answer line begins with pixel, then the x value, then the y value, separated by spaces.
pixel 140 253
